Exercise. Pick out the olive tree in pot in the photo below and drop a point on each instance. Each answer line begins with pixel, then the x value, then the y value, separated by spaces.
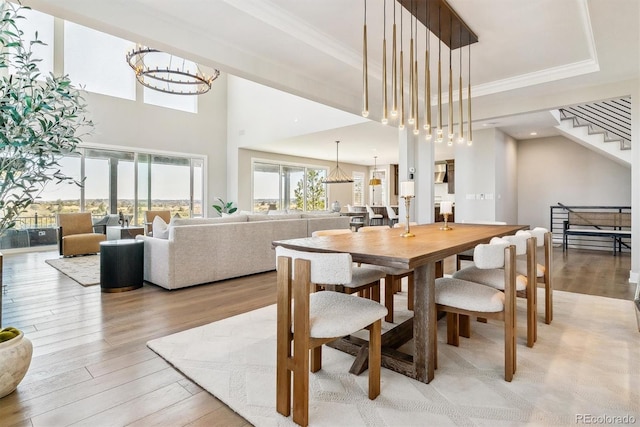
pixel 42 118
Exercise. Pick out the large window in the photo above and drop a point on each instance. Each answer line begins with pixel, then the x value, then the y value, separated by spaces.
pixel 358 189
pixel 288 187
pixel 96 61
pixel 121 181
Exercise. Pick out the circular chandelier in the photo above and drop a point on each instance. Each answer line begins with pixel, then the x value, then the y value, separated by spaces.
pixel 168 73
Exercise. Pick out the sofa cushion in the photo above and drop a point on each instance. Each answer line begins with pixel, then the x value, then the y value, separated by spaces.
pixel 160 228
pixel 258 217
pixel 319 214
pixel 217 220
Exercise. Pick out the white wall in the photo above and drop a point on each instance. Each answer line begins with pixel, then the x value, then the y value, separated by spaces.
pixel 135 124
pixel 556 169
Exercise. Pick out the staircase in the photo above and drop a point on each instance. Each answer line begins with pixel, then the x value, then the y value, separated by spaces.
pixel 604 126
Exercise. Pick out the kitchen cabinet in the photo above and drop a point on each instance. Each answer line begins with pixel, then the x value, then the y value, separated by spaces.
pixel 451 176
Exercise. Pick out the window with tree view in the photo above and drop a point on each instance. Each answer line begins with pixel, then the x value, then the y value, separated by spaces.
pixel 288 187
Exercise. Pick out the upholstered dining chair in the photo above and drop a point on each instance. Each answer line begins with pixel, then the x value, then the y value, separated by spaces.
pixel 393 279
pixel 543 271
pixel 148 220
pixel 468 255
pixel 461 298
pixel 402 224
pixel 524 245
pixel 306 320
pixel 374 218
pixel 331 232
pixel 364 280
pixel 392 215
pixel 76 235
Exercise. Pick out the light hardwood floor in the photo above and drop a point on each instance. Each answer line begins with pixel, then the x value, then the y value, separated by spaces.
pixel 91 365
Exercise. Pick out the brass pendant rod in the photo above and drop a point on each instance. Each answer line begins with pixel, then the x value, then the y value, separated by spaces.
pixel 385 119
pixel 470 140
pixel 401 124
pixel 416 126
pixel 394 68
pixel 461 127
pixel 365 72
pixel 450 123
pixel 427 80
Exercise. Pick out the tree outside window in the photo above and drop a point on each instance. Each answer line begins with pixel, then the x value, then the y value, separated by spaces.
pixel 316 194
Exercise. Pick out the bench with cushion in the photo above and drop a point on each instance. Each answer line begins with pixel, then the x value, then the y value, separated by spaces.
pixel 616 225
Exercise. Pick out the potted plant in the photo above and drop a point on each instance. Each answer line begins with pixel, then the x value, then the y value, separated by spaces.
pixel 224 208
pixel 15 358
pixel 42 118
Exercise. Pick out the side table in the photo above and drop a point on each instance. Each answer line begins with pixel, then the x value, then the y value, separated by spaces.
pixel 116 232
pixel 121 265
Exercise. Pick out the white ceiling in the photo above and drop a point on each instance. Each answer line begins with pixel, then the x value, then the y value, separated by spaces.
pixel 313 49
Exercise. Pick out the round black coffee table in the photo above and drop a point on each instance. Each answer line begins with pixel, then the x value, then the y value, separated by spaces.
pixel 121 265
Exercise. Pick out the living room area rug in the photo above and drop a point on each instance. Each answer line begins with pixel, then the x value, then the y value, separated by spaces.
pixel 585 364
pixel 83 269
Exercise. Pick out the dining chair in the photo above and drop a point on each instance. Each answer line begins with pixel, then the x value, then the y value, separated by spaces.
pixel 393 279
pixel 402 224
pixel 468 254
pixel 306 320
pixel 543 271
pixel 392 215
pixel 524 245
pixel 463 299
pixel 331 232
pixel 364 280
pixel 374 217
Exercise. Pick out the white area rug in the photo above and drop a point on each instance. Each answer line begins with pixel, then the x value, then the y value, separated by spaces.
pixel 83 269
pixel 586 363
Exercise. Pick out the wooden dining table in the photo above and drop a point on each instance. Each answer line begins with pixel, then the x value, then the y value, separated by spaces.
pixel 420 253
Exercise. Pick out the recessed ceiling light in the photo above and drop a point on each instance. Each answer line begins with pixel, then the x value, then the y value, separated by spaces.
pixel 533 133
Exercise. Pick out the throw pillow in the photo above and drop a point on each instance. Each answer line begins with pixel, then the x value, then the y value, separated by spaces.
pixel 160 228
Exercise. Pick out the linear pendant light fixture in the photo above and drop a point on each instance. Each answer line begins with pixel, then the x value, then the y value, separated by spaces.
pixel 440 23
pixel 365 72
pixel 450 121
pixel 427 81
pixel 394 68
pixel 401 107
pixel 461 121
pixel 385 119
pixel 337 176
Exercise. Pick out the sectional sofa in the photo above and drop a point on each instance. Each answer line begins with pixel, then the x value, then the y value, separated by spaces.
pixel 203 250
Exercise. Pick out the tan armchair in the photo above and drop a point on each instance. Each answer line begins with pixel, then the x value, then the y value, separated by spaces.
pixel 76 235
pixel 148 220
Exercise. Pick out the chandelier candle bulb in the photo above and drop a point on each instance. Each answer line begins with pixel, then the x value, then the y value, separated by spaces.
pixel 407 188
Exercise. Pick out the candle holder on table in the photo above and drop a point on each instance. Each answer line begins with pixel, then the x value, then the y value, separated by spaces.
pixel 445 211
pixel 407 192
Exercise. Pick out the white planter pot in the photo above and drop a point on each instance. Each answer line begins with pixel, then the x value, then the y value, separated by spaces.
pixel 15 358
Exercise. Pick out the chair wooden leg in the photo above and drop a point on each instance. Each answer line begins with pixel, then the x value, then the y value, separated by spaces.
pixel 452 329
pixel 464 325
pixel 389 285
pixel 548 286
pixel 374 292
pixel 548 302
pixel 316 359
pixel 532 320
pixel 375 358
pixel 284 339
